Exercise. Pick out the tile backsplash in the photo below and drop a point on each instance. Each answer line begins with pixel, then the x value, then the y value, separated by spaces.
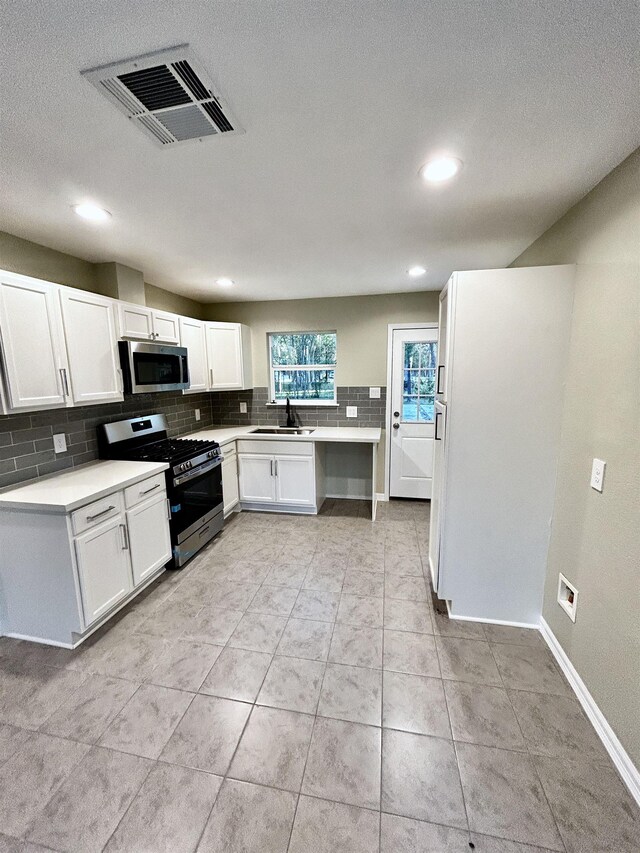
pixel 371 413
pixel 26 440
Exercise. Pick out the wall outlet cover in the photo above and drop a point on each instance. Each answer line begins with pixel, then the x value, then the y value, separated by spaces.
pixel 567 597
pixel 597 474
pixel 352 411
pixel 374 393
pixel 243 408
pixel 59 443
pixel 197 414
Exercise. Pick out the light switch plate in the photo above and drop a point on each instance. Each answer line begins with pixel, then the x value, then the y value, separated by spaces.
pixel 597 474
pixel 243 408
pixel 197 414
pixel 374 393
pixel 352 411
pixel 59 443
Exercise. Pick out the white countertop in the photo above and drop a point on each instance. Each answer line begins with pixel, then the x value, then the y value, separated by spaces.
pixel 62 493
pixel 362 435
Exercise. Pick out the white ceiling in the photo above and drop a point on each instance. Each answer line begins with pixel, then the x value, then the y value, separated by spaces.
pixel 342 102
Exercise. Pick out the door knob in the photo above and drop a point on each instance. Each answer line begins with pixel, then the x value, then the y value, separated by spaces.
pixel 396 414
pixel 396 426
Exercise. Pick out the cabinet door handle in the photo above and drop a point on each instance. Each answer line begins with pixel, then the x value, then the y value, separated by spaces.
pixel 125 539
pixel 271 466
pixel 439 390
pixel 436 436
pixel 276 467
pixel 168 509
pixel 152 489
pixel 99 514
pixel 211 376
pixel 65 383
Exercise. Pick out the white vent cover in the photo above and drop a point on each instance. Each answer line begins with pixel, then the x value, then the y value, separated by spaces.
pixel 167 95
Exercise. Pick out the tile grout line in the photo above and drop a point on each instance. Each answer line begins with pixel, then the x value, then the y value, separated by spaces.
pixel 313 727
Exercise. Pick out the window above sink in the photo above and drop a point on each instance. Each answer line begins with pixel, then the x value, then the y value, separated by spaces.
pixel 302 367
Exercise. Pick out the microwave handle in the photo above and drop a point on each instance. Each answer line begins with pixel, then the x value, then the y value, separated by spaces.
pixel 185 369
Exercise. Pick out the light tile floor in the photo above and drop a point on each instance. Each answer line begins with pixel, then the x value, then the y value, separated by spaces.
pixel 292 690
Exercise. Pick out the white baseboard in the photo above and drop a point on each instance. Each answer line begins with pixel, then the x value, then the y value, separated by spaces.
pixel 492 621
pixel 625 766
pixel 44 642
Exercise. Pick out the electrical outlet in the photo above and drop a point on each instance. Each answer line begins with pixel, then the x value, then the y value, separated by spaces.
pixel 597 474
pixel 196 412
pixel 243 408
pixel 567 597
pixel 59 443
pixel 352 411
pixel 374 393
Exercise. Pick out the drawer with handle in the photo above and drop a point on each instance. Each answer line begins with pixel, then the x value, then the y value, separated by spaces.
pixel 94 513
pixel 145 489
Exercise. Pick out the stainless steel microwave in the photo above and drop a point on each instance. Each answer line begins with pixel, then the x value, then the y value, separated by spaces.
pixel 153 367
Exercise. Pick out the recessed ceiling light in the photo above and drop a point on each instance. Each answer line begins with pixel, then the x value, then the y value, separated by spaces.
pixel 440 169
pixel 416 272
pixel 91 212
pixel 225 282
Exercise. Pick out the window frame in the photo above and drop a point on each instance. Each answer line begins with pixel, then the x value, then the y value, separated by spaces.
pixel 418 397
pixel 272 368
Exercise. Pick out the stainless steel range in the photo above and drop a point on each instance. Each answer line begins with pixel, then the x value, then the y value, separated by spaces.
pixel 194 478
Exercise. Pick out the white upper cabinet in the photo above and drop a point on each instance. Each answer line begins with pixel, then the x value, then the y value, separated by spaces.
pixel 92 347
pixel 166 328
pixel 229 356
pixel 32 348
pixel 135 321
pixel 145 324
pixel 193 337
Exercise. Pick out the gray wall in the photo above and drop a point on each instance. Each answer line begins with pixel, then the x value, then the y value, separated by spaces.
pixel 595 539
pixel 360 321
pixel 27 258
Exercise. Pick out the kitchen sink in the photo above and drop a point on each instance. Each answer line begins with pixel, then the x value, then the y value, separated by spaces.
pixel 282 431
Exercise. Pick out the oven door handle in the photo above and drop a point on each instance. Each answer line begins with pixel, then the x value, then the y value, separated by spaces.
pixel 196 472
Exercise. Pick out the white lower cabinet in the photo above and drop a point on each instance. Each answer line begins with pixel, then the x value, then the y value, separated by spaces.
pixel 284 481
pixel 62 574
pixel 295 480
pixel 103 567
pixel 257 483
pixel 148 537
pixel 230 490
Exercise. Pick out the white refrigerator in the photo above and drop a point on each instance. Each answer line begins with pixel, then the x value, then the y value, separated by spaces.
pixel 503 347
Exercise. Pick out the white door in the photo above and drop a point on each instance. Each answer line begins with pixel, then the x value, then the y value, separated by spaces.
pixel 149 539
pixel 256 478
pixel 230 481
pixel 435 521
pixel 92 347
pixel 32 345
pixel 413 378
pixel 104 568
pixel 295 480
pixel 135 322
pixel 224 348
pixel 166 328
pixel 192 336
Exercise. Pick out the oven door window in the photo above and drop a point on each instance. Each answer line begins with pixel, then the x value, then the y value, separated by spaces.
pixel 156 368
pixel 193 499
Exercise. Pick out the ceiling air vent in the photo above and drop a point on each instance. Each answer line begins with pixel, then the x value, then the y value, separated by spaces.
pixel 167 95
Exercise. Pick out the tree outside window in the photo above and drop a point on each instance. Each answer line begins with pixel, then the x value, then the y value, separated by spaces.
pixel 303 366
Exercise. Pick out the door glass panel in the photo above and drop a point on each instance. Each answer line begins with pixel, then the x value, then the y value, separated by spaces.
pixel 419 379
pixel 410 408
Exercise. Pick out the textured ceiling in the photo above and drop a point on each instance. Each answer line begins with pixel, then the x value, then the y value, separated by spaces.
pixel 342 102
